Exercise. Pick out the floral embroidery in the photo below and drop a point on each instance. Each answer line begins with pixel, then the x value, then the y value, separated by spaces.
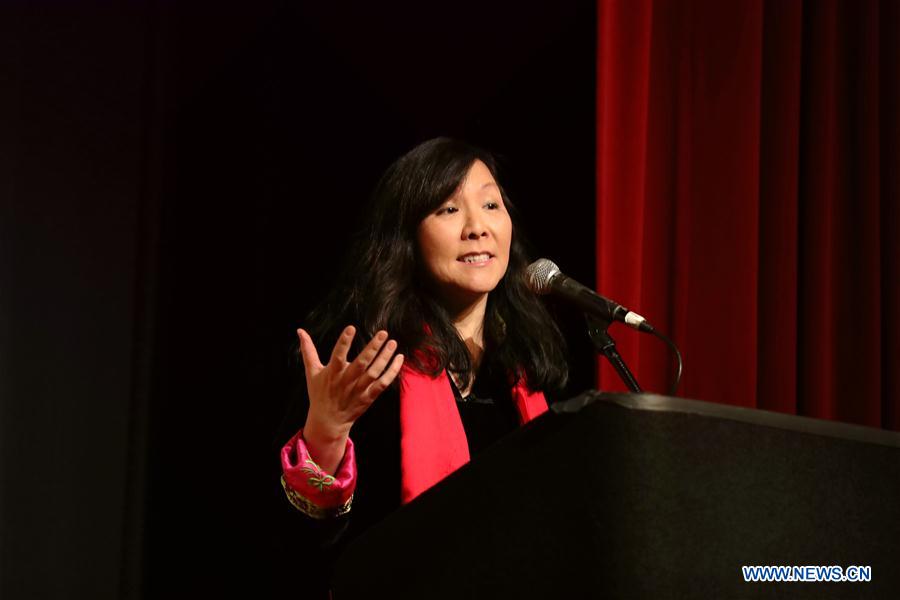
pixel 319 478
pixel 311 509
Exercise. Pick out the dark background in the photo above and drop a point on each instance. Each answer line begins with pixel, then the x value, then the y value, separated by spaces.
pixel 178 186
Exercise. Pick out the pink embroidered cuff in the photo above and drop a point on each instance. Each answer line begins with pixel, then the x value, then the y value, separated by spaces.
pixel 310 489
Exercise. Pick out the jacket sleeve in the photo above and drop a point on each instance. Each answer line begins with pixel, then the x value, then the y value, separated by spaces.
pixel 311 490
pixel 312 516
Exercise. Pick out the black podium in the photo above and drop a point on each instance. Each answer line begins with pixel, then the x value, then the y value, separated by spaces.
pixel 644 496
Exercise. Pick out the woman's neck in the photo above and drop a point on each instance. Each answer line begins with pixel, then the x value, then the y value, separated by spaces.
pixel 469 322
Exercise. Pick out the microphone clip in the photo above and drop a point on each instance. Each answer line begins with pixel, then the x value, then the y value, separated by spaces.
pixel 606 345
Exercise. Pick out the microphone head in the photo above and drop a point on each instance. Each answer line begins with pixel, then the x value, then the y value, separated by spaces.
pixel 539 274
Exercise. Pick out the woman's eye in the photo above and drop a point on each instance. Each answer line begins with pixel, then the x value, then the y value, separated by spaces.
pixel 493 205
pixel 447 210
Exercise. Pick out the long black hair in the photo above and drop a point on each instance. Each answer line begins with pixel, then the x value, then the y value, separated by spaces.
pixel 382 286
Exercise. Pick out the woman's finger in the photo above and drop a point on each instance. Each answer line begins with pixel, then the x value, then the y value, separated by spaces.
pixel 376 367
pixel 311 362
pixel 365 357
pixel 386 379
pixel 342 346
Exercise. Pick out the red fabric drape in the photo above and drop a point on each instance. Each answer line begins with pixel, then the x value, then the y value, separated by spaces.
pixel 748 189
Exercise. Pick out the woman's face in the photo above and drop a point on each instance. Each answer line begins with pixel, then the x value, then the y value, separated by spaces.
pixel 465 243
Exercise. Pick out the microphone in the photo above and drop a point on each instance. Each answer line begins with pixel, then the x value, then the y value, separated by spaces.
pixel 544 277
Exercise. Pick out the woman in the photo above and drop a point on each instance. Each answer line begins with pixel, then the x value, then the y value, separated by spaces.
pixel 440 347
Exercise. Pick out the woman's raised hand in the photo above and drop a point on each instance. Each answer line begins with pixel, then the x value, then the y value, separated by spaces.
pixel 341 391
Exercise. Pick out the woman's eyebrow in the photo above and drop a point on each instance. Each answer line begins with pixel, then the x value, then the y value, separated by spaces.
pixel 489 184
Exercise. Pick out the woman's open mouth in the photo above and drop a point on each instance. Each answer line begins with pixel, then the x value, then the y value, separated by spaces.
pixel 473 258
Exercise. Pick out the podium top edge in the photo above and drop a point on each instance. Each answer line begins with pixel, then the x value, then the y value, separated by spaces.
pixel 754 416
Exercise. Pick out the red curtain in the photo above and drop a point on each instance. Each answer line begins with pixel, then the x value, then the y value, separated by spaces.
pixel 748 185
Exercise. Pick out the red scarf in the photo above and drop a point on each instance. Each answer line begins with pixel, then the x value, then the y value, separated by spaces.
pixel 433 442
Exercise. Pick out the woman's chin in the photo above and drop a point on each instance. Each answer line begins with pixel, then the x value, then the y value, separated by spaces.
pixel 478 286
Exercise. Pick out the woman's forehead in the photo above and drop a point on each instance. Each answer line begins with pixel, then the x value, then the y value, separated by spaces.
pixel 477 178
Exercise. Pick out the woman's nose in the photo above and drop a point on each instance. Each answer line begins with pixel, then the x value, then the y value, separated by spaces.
pixel 474 228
